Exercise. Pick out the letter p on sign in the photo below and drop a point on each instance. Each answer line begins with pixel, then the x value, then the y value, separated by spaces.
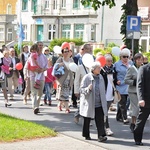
pixel 133 23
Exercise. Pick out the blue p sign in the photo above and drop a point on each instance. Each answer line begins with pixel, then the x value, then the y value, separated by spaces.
pixel 133 23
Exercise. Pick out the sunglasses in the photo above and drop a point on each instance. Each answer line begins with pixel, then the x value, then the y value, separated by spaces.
pixel 66 52
pixel 125 56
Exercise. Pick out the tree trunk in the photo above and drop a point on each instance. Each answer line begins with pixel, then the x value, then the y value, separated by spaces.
pixel 132 10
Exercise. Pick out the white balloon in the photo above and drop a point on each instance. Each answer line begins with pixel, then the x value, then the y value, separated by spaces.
pixel 57 49
pixel 116 51
pixel 87 60
pixel 73 67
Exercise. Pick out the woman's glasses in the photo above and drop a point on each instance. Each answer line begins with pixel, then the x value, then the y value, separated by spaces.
pixel 125 56
pixel 66 52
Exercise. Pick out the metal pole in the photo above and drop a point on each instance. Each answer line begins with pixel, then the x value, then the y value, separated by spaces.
pixel 132 47
pixel 102 23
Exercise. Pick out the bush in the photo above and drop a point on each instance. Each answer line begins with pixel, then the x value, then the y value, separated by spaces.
pixel 24 43
pixel 147 54
pixel 105 51
pixel 58 42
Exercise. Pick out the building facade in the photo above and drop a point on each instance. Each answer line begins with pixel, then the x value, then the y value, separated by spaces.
pixel 48 19
pixel 144 12
pixel 7 16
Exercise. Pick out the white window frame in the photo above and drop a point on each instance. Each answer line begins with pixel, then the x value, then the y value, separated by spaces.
pixel 93 31
pixel 9 9
pixel 1 34
pixel 47 4
pixel 54 4
pixel 66 31
pixel 23 5
pixel 80 32
pixel 63 4
pixel 9 34
pixel 76 2
pixel 51 32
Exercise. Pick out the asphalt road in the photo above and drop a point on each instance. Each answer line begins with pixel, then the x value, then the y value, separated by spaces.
pixel 63 123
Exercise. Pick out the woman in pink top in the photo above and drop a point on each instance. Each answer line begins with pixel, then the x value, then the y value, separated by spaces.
pixel 6 62
pixel 49 79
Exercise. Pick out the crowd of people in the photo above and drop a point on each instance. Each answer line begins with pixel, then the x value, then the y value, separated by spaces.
pixel 93 86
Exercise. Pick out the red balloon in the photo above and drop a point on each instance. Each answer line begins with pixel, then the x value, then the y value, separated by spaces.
pixel 65 45
pixel 19 66
pixel 102 60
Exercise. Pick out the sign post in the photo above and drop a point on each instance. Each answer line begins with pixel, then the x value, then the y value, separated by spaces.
pixel 133 28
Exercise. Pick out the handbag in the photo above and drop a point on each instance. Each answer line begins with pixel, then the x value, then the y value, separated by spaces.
pixel 117 96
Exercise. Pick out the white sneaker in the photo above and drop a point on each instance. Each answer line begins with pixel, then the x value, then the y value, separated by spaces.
pixel 109 132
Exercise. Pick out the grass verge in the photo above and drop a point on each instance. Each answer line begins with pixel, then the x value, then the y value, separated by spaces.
pixel 13 129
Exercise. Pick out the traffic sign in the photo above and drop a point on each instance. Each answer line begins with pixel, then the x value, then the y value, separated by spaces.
pixel 133 35
pixel 133 23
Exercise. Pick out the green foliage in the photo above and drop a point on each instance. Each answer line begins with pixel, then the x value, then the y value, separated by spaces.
pixel 112 45
pixel 13 129
pixel 58 42
pixel 147 54
pixel 97 3
pixel 24 43
pixel 107 50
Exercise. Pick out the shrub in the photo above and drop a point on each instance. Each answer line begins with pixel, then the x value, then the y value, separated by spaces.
pixel 58 42
pixel 24 43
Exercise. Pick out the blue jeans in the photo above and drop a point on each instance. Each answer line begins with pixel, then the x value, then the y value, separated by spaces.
pixel 48 91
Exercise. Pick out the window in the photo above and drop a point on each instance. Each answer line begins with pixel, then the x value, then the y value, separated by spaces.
pixel 63 3
pixel 9 9
pixel 55 4
pixel 47 4
pixel 25 31
pixel 34 5
pixel 93 32
pixel 66 29
pixel 76 4
pixel 24 4
pixel 9 34
pixel 1 34
pixel 51 32
pixel 144 30
pixel 79 30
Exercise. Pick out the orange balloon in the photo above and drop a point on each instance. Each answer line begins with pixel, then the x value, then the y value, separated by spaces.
pixel 19 66
pixel 65 45
pixel 102 60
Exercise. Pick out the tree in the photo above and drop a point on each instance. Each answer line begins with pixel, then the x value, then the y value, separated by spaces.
pixel 97 3
pixel 129 8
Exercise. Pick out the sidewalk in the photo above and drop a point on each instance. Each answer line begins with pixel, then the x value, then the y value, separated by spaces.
pixel 56 143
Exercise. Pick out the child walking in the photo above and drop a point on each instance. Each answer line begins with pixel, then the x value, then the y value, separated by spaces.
pixel 49 79
pixel 33 64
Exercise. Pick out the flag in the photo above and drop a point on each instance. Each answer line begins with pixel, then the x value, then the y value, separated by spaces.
pixel 21 35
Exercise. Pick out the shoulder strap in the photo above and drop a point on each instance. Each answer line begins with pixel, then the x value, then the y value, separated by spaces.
pixel 112 83
pixel 85 68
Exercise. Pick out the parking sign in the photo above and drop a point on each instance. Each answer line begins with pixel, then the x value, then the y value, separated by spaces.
pixel 133 23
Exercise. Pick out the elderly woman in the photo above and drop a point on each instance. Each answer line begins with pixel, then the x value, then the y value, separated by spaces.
pixel 93 102
pixel 130 79
pixel 121 68
pixel 65 81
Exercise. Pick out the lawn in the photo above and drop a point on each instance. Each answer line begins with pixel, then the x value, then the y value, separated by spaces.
pixel 13 129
